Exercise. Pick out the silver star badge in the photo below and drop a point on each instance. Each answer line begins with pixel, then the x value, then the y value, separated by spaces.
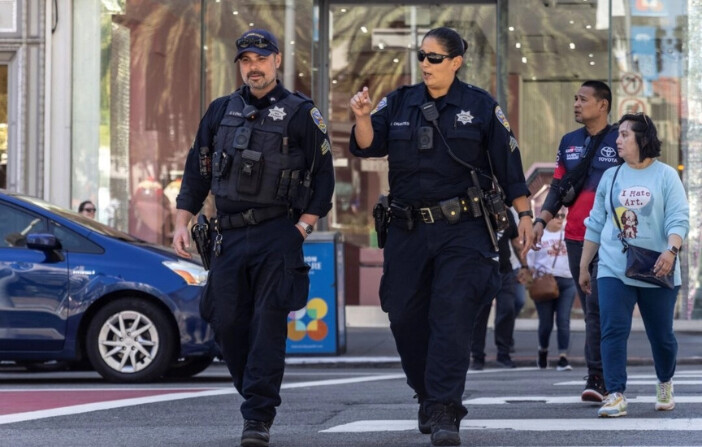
pixel 464 117
pixel 277 113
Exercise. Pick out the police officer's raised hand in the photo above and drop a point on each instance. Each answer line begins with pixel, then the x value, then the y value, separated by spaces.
pixel 361 104
pixel 181 235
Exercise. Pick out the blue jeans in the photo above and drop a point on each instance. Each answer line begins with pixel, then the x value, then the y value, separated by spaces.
pixel 657 307
pixel 559 307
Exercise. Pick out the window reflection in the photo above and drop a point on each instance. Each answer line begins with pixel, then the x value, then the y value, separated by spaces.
pixel 375 46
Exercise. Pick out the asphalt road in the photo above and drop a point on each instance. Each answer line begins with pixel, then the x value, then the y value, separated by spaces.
pixel 337 407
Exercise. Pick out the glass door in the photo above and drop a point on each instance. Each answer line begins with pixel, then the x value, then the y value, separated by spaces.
pixel 3 125
pixel 374 45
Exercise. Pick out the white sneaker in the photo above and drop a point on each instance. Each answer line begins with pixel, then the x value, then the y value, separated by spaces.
pixel 614 406
pixel 664 396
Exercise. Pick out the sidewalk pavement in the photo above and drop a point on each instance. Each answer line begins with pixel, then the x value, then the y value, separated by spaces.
pixel 371 344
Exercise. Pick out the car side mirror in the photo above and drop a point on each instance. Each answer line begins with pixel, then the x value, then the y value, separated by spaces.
pixel 48 244
pixel 43 242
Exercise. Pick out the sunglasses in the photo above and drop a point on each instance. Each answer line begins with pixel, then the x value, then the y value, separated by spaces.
pixel 560 216
pixel 89 210
pixel 434 58
pixel 258 42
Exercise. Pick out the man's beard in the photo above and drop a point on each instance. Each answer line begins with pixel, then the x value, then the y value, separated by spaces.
pixel 261 83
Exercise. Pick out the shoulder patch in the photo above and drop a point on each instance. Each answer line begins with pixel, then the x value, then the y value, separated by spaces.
pixel 381 105
pixel 502 118
pixel 318 119
pixel 325 147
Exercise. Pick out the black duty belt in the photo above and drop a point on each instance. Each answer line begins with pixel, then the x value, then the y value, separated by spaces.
pixel 431 214
pixel 249 217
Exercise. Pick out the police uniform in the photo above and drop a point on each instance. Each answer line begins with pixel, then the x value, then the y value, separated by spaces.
pixel 437 275
pixel 257 170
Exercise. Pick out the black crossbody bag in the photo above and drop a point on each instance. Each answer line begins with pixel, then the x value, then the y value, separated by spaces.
pixel 639 260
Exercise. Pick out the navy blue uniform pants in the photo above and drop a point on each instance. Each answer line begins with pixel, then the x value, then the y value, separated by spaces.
pixel 252 286
pixel 436 278
pixel 504 319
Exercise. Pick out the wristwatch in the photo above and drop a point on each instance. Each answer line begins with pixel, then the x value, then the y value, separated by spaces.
pixel 307 227
pixel 673 249
pixel 541 221
pixel 526 213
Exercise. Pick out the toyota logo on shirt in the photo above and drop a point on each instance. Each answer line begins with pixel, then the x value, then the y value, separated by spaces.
pixel 608 152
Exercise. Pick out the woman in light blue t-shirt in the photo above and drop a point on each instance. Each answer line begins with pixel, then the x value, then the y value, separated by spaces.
pixel 653 213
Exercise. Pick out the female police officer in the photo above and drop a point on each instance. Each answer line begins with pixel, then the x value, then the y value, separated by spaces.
pixel 440 262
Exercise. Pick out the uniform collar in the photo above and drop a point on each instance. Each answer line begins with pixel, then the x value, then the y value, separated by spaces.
pixel 272 97
pixel 453 96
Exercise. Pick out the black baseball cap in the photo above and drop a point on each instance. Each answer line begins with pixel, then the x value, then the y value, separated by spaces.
pixel 258 41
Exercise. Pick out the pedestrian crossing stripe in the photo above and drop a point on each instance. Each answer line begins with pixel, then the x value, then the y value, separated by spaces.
pixel 541 425
pixel 571 400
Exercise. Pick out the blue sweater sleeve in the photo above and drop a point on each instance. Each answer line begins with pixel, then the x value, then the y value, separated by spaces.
pixel 677 209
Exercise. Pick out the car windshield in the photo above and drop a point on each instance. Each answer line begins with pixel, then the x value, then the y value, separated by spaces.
pixel 94 225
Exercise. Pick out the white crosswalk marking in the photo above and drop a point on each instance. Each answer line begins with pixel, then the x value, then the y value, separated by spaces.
pixel 570 400
pixel 541 425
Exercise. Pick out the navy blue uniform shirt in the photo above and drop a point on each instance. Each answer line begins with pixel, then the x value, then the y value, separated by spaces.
pixel 473 125
pixel 302 128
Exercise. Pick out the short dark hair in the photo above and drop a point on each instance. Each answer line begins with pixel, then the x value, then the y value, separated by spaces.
pixel 645 133
pixel 602 91
pixel 83 204
pixel 448 38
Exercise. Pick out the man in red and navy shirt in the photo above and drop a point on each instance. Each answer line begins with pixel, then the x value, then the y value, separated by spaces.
pixel 593 102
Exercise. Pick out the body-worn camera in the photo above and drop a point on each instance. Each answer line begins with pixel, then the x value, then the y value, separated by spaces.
pixel 425 138
pixel 497 210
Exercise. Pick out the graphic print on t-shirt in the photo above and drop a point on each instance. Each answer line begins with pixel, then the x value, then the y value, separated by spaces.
pixel 632 199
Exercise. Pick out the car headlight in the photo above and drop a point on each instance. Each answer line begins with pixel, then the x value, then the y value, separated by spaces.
pixel 193 274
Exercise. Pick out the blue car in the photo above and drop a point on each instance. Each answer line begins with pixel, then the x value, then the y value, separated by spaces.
pixel 72 289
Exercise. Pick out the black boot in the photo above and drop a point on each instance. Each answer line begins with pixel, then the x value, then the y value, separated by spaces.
pixel 444 426
pixel 423 421
pixel 256 433
pixel 423 417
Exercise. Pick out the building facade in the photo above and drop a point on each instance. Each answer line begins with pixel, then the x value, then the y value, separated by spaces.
pixel 100 100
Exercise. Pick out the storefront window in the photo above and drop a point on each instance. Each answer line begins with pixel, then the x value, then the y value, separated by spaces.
pixel 130 141
pixel 375 46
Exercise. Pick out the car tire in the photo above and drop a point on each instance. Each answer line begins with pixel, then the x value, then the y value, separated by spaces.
pixel 130 340
pixel 188 367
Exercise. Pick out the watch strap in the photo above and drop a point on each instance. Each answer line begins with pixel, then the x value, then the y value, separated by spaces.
pixel 305 226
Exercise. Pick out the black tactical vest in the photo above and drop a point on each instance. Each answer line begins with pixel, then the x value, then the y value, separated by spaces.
pixel 253 160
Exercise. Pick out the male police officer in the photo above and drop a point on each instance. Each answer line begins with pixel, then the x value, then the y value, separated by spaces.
pixel 265 154
pixel 596 138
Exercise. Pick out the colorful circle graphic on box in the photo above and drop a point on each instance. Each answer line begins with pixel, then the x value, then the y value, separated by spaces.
pixel 315 328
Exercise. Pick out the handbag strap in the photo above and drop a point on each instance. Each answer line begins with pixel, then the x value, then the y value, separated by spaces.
pixel 614 211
